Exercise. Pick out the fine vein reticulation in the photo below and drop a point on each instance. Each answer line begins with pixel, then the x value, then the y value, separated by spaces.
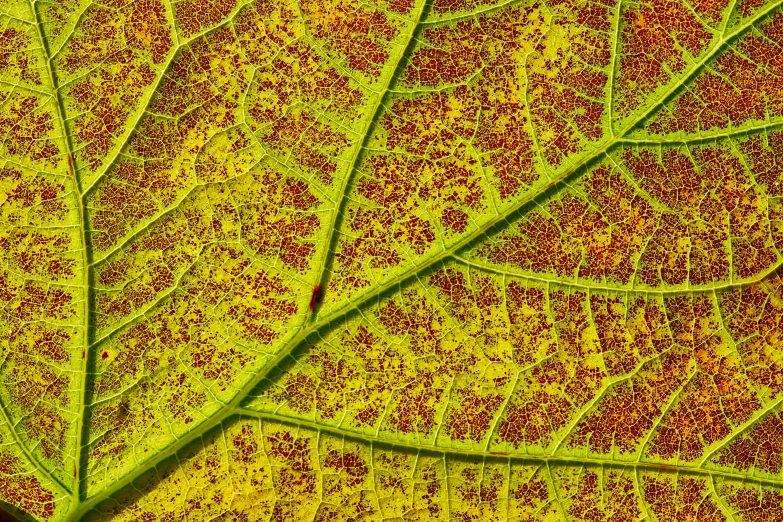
pixel 422 259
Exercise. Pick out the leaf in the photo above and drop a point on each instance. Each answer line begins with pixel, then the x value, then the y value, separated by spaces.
pixel 421 259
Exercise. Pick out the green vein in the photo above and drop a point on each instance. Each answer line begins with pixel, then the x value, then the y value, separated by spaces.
pixel 142 111
pixel 613 70
pixel 86 270
pixel 353 165
pixel 158 300
pixel 147 225
pixel 564 177
pixel 30 457
pixel 619 289
pixel 704 138
pixel 480 454
pixel 740 430
pixel 721 500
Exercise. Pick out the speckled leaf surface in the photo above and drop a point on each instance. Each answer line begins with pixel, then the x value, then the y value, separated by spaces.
pixel 344 260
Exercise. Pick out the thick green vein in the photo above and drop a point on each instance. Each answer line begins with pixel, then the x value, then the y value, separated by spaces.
pixel 521 458
pixel 367 133
pixel 567 175
pixel 82 216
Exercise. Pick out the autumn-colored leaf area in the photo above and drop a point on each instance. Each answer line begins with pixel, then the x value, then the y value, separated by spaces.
pixel 381 260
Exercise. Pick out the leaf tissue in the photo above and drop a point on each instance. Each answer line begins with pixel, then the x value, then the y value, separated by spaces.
pixel 380 260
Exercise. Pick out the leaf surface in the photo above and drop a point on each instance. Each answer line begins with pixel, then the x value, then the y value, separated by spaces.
pixel 442 259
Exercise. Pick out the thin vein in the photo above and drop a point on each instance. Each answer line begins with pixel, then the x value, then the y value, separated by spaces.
pixel 728 286
pixel 30 457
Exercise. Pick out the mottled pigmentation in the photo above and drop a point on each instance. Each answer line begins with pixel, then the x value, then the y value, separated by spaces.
pixel 203 278
pixel 675 498
pixel 654 218
pixel 751 502
pixel 759 448
pixel 42 267
pixel 110 64
pixel 42 334
pixel 458 139
pixel 214 328
pixel 439 368
pixel 753 317
pixel 359 35
pixel 254 469
pixel 194 16
pixel 222 476
pixel 596 234
pixel 740 87
pixel 23 491
pixel 592 372
pixel 568 74
pixel 375 260
pixel 659 41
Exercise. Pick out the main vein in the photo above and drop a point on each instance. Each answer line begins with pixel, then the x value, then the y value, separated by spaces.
pixel 82 216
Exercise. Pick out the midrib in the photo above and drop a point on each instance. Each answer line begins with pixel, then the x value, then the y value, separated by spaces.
pixel 86 269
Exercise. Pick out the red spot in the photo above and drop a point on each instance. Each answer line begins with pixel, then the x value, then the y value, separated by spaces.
pixel 315 298
pixel 105 355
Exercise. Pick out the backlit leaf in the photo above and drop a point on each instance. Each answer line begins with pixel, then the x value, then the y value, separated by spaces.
pixel 391 259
